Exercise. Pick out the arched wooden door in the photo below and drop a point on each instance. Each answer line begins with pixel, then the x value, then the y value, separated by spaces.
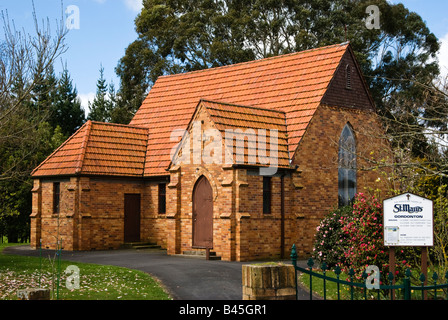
pixel 203 214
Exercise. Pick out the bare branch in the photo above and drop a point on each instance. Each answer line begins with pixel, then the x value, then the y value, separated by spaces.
pixel 25 61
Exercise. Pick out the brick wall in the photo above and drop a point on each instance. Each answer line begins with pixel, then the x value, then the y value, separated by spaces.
pixel 356 96
pixel 317 158
pixel 92 213
pixel 43 215
pixel 36 213
pixel 240 229
pixel 180 193
pixel 261 233
pixel 92 210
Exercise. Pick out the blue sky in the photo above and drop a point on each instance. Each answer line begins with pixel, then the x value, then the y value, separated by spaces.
pixel 107 28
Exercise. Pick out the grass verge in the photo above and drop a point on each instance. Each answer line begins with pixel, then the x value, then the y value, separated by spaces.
pixel 96 282
pixel 330 287
pixel 358 294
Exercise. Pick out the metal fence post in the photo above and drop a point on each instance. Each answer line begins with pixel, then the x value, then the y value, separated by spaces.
pixel 294 263
pixel 365 276
pixel 422 280
pixel 324 269
pixel 407 285
pixel 435 277
pixel 338 271
pixel 391 282
pixel 310 265
pixel 351 273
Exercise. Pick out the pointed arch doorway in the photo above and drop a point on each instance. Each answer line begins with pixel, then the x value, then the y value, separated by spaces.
pixel 203 214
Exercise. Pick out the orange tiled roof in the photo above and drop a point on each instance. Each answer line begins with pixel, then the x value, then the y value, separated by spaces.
pixel 281 92
pixel 242 122
pixel 99 149
pixel 293 83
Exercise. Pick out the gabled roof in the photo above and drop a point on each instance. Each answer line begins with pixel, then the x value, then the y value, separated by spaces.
pixel 293 83
pixel 240 123
pixel 99 149
pixel 281 93
pixel 247 135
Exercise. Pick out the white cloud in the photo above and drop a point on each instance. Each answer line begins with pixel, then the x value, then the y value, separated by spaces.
pixel 443 56
pixel 85 98
pixel 134 5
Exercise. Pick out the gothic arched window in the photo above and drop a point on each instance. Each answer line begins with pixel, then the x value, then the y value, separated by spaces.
pixel 347 166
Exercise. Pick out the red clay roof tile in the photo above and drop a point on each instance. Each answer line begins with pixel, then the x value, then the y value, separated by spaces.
pixel 99 149
pixel 244 123
pixel 285 91
pixel 293 83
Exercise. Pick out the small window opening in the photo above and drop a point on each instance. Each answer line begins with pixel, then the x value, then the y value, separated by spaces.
pixel 267 195
pixel 56 197
pixel 162 198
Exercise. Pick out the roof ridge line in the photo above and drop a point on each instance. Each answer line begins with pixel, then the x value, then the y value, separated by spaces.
pixel 259 60
pixel 287 140
pixel 146 157
pixel 242 106
pixel 118 125
pixel 80 161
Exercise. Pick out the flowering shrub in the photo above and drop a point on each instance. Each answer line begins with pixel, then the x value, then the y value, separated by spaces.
pixel 330 239
pixel 364 238
pixel 352 237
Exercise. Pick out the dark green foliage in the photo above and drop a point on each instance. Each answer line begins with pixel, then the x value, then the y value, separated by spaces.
pixel 66 110
pixel 40 123
pixel 18 157
pixel 101 107
pixel 178 36
pixel 37 113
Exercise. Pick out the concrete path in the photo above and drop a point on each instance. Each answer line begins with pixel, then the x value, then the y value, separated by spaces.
pixel 184 278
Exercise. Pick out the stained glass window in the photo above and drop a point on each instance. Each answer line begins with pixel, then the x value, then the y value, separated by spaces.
pixel 347 166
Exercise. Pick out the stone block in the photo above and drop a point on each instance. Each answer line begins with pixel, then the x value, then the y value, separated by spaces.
pixel 268 282
pixel 34 294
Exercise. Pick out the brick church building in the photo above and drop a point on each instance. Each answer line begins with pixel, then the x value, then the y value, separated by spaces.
pixel 242 159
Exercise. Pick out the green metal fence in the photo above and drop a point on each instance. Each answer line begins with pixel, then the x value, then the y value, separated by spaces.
pixel 401 290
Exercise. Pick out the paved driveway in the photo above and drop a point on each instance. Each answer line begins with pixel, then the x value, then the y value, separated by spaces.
pixel 185 278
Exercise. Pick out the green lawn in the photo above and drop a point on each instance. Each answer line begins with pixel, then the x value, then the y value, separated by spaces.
pixel 95 282
pixel 331 287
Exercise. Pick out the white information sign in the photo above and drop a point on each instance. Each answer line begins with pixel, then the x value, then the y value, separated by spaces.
pixel 408 221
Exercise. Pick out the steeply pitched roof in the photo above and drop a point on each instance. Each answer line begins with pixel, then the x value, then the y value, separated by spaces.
pixel 281 93
pixel 293 83
pixel 99 149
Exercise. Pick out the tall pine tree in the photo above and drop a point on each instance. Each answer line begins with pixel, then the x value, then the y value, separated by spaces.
pixel 102 106
pixel 66 111
pixel 43 95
